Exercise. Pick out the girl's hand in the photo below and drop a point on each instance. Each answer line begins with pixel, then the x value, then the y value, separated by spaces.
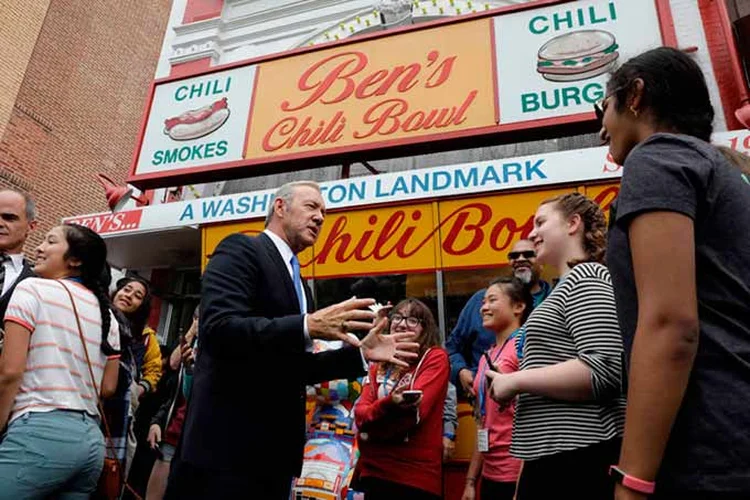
pixel 154 435
pixel 470 492
pixel 503 388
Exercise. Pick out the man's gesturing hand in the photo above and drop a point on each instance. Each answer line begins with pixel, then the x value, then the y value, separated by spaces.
pixel 397 348
pixel 333 322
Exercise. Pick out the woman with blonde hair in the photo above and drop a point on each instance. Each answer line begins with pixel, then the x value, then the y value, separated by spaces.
pixel 570 409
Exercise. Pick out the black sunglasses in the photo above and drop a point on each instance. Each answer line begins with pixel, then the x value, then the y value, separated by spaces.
pixel 599 105
pixel 527 254
pixel 599 110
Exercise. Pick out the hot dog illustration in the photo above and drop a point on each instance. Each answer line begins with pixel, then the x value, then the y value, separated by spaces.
pixel 579 55
pixel 198 122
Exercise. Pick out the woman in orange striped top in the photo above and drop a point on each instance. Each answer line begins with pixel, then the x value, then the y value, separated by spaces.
pixel 53 445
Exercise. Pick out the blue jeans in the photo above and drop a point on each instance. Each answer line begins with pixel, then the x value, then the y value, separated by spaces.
pixel 58 453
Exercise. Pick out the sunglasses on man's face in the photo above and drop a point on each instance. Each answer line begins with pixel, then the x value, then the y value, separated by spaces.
pixel 526 254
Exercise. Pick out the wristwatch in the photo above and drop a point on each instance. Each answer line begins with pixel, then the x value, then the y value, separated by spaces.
pixel 631 482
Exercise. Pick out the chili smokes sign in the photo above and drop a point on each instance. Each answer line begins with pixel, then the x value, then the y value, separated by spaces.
pixel 473 77
pixel 556 60
pixel 198 121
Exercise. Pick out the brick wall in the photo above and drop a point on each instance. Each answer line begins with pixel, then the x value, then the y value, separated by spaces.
pixel 79 107
pixel 20 23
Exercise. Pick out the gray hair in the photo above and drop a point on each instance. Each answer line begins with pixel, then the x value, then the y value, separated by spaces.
pixel 29 205
pixel 286 193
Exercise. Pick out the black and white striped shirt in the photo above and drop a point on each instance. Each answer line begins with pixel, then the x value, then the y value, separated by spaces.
pixel 577 320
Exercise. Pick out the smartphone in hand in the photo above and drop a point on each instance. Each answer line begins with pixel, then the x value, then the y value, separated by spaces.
pixel 411 396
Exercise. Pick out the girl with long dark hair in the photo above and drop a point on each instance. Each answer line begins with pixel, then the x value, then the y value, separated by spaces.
pixel 132 297
pixel 680 262
pixel 140 370
pixel 53 445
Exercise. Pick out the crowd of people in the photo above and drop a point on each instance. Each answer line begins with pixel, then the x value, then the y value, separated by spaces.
pixel 623 379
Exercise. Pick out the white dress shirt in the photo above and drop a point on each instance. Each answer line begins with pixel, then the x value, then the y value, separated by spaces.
pixel 13 268
pixel 286 255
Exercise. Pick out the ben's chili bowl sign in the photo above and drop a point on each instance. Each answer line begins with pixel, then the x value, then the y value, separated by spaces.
pixel 412 85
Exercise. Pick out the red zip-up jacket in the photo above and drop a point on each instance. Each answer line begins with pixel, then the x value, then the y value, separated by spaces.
pixel 405 446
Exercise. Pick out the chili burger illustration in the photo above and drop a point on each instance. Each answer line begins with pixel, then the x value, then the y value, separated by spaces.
pixel 579 55
pixel 196 123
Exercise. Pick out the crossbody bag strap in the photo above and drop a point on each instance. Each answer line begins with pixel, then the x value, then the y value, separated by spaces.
pixel 91 370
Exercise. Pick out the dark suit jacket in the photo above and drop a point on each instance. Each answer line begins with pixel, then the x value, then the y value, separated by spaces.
pixel 247 402
pixel 26 272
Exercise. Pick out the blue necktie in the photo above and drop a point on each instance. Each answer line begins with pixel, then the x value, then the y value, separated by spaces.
pixel 297 279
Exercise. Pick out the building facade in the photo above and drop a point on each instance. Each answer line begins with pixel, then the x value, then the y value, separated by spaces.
pixel 69 107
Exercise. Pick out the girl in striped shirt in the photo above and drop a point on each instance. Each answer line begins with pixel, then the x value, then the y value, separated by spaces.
pixel 570 409
pixel 53 445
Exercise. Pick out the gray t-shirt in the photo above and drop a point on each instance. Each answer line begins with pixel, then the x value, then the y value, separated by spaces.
pixel 709 447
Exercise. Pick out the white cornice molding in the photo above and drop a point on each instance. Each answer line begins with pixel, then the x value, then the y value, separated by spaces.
pixel 295 29
pixel 281 11
pixel 214 23
pixel 195 52
pixel 255 23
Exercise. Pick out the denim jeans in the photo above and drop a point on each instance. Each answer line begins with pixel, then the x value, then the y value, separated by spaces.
pixel 58 453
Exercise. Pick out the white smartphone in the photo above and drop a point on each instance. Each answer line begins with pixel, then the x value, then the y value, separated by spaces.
pixel 411 396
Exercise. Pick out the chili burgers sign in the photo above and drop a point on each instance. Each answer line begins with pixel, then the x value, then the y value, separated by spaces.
pixel 555 61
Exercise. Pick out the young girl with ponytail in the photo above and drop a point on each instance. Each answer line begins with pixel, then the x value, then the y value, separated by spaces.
pixel 570 409
pixel 53 445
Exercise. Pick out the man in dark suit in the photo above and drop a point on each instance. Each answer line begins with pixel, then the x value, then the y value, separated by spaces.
pixel 17 219
pixel 244 430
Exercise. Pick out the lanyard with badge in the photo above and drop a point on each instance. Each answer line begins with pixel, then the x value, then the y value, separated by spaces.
pixel 483 437
pixel 386 379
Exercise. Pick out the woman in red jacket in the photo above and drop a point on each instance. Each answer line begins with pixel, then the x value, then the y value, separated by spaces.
pixel 400 415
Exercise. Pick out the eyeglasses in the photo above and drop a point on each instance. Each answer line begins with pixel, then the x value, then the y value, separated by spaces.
pixel 411 321
pixel 526 254
pixel 599 110
pixel 599 105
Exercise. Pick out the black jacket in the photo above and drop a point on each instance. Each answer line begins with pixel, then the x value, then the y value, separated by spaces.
pixel 26 272
pixel 247 402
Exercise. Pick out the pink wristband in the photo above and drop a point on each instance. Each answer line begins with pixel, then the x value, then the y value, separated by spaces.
pixel 631 482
